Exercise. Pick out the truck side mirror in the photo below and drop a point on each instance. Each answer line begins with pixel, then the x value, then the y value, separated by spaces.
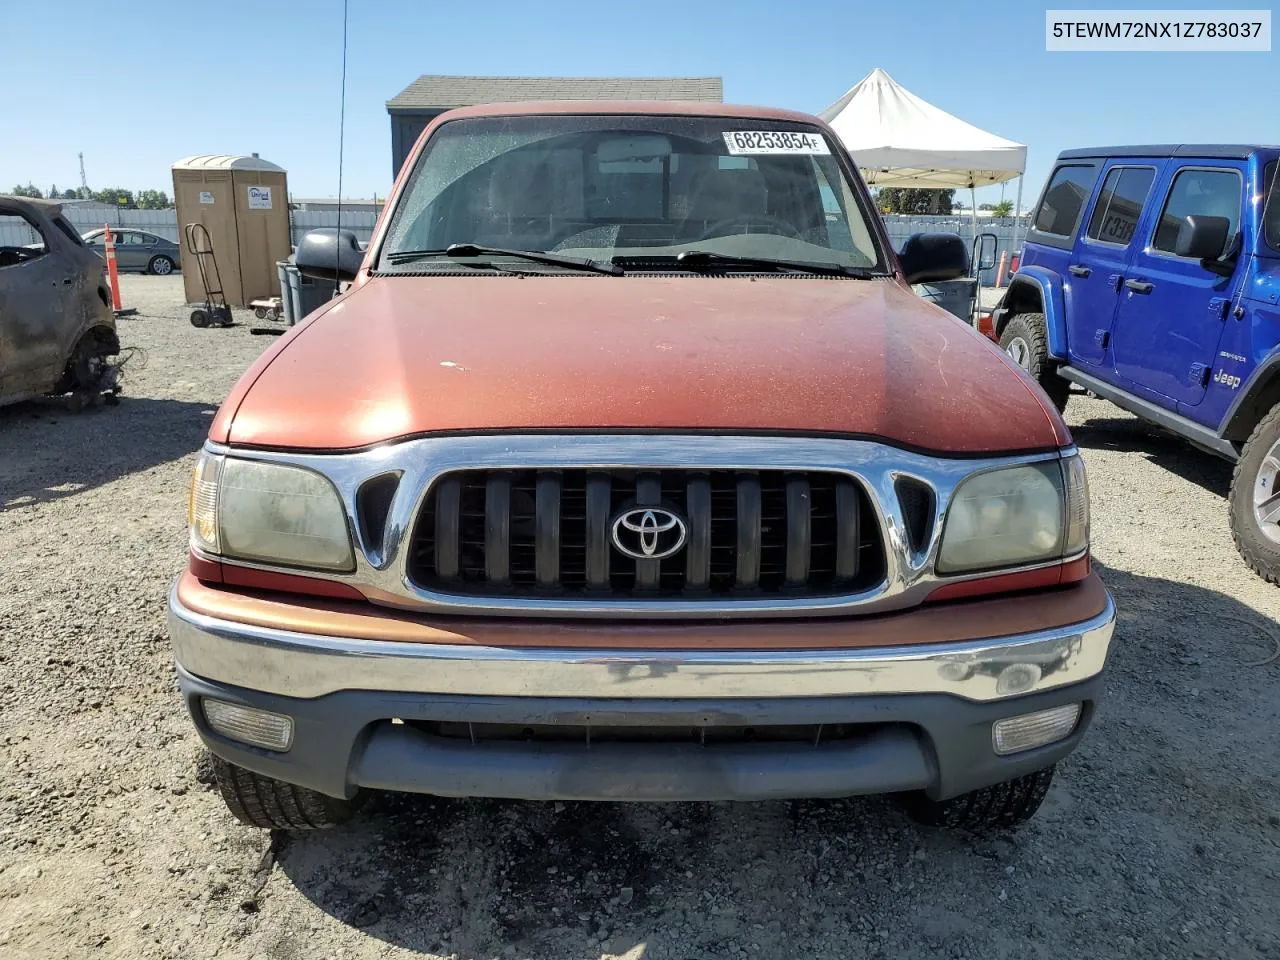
pixel 1202 238
pixel 328 253
pixel 929 257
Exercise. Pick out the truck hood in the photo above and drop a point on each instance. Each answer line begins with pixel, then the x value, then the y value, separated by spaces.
pixel 400 356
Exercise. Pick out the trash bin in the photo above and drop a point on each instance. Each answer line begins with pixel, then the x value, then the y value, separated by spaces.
pixel 286 298
pixel 313 294
pixel 955 296
pixel 307 293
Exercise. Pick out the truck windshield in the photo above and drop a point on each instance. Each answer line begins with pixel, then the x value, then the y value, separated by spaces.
pixel 637 188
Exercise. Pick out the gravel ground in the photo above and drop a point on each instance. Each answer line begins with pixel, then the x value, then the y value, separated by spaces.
pixel 1160 838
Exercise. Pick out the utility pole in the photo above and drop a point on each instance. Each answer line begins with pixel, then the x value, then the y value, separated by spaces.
pixel 84 183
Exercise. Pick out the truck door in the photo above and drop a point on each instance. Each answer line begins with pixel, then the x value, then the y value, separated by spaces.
pixel 1102 254
pixel 35 280
pixel 1172 309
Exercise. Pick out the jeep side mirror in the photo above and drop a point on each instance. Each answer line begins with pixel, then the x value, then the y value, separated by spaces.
pixel 328 253
pixel 1202 238
pixel 928 257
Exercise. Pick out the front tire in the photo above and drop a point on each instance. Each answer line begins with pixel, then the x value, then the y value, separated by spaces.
pixel 1025 339
pixel 1255 499
pixel 161 266
pixel 997 807
pixel 275 805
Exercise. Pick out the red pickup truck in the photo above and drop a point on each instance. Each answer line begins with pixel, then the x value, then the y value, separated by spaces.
pixel 624 471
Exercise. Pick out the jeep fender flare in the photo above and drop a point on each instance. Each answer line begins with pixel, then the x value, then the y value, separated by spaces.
pixel 1259 394
pixel 1037 290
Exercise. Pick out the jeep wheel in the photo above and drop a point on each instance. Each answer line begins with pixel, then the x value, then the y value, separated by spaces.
pixel 1255 499
pixel 1026 342
pixel 275 805
pixel 1002 805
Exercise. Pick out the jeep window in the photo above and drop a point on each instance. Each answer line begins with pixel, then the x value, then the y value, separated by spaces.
pixel 1271 206
pixel 632 186
pixel 20 240
pixel 1064 199
pixel 1199 192
pixel 1119 205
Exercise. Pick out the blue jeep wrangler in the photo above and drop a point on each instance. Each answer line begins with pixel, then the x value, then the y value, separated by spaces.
pixel 1151 277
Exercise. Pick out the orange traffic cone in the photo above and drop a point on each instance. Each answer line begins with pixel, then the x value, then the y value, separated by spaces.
pixel 113 273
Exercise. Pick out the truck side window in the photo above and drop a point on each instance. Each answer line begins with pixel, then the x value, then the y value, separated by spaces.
pixel 20 240
pixel 1064 199
pixel 1213 193
pixel 1115 215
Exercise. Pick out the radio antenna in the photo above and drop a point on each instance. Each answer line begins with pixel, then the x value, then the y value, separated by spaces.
pixel 342 119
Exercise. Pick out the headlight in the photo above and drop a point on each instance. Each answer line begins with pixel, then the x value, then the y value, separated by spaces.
pixel 269 513
pixel 1005 517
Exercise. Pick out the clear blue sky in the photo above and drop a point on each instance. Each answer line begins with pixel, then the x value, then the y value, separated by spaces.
pixel 144 84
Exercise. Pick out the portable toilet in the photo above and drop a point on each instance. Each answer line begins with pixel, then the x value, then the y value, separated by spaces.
pixel 243 201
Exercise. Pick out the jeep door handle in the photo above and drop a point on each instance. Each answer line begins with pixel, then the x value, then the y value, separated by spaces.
pixel 1078 271
pixel 1139 286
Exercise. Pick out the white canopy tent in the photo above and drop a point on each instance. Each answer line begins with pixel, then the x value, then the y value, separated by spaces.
pixel 899 140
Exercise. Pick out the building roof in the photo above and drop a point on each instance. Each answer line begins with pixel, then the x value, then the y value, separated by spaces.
pixel 671 108
pixel 345 201
pixel 433 90
pixel 223 161
pixel 1219 151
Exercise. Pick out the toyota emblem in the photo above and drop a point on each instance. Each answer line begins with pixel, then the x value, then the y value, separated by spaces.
pixel 648 533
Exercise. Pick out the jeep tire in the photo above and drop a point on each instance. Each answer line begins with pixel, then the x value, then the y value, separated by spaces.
pixel 996 807
pixel 1255 499
pixel 275 805
pixel 1026 340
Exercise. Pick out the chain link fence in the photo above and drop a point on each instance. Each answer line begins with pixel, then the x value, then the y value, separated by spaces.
pixel 899 227
pixel 164 223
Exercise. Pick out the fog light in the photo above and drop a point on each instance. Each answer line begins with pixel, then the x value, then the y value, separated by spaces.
pixel 1015 734
pixel 261 728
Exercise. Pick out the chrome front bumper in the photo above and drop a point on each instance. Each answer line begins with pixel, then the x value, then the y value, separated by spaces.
pixel 307 666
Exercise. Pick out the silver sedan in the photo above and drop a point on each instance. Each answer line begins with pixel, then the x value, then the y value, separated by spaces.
pixel 138 250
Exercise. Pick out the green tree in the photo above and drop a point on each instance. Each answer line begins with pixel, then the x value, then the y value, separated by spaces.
pixel 70 195
pixel 30 190
pixel 1003 209
pixel 116 196
pixel 153 200
pixel 912 200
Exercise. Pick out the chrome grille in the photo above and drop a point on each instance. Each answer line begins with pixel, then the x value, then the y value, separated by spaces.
pixel 751 534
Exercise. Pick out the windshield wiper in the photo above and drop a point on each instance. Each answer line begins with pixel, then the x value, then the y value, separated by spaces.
pixel 455 250
pixel 705 259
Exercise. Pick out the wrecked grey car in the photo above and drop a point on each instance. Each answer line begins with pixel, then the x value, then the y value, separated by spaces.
pixel 57 328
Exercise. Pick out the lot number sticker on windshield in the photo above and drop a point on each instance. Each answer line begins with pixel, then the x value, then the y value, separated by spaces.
pixel 742 143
